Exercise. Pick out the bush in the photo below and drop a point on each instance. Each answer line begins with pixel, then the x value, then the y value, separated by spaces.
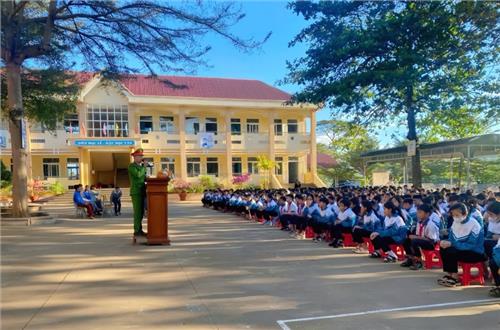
pixel 196 188
pixel 57 188
pixel 6 191
pixel 6 175
pixel 208 182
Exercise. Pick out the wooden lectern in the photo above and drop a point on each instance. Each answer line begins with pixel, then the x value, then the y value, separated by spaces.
pixel 157 199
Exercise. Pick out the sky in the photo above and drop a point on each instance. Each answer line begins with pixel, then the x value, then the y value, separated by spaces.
pixel 268 63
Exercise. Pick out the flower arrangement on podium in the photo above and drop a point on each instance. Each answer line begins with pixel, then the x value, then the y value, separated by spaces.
pixel 181 187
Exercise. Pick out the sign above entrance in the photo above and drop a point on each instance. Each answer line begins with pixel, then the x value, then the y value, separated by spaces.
pixel 104 142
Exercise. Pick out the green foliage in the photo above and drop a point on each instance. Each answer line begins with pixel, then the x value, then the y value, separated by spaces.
pixel 208 182
pixel 6 175
pixel 57 188
pixel 379 61
pixel 266 165
pixel 346 142
pixel 455 124
pixel 6 189
pixel 196 188
pixel 48 95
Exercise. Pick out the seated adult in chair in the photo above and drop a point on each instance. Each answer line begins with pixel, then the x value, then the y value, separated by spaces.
pixel 82 202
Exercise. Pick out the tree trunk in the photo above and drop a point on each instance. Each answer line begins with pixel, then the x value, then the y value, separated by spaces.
pixel 416 169
pixel 19 154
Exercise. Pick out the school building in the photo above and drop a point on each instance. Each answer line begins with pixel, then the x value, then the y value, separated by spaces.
pixel 190 125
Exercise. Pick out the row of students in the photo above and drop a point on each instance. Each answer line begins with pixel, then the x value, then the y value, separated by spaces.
pixel 416 227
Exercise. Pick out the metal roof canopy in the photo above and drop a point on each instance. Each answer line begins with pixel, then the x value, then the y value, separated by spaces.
pixel 468 148
pixel 481 145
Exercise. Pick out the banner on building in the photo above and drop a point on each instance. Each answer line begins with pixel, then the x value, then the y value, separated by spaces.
pixel 207 140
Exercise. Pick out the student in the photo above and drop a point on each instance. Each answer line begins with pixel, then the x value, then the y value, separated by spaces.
pixel 465 243
pixel 80 201
pixel 495 270
pixel 393 231
pixel 492 216
pixel 369 222
pixel 425 238
pixel 474 210
pixel 409 212
pixel 271 209
pixel 343 224
pixel 116 199
pixel 288 213
pixel 322 219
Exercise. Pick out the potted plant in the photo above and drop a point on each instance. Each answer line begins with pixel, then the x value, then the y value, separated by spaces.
pixel 240 180
pixel 35 189
pixel 180 186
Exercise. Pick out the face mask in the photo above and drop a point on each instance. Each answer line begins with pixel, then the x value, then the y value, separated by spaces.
pixel 459 219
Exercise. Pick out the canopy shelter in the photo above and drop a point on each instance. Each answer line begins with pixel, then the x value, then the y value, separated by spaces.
pixel 480 146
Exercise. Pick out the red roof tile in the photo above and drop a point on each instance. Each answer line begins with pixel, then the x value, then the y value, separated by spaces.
pixel 323 160
pixel 141 85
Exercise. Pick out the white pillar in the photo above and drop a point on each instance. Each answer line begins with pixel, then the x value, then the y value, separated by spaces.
pixel 182 145
pixel 313 151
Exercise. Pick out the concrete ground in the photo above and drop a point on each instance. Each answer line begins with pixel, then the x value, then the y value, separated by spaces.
pixel 221 272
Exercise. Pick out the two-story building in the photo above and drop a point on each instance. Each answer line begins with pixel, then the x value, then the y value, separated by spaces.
pixel 190 125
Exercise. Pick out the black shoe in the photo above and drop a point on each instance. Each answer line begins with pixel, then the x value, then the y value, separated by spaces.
pixel 407 263
pixel 140 233
pixel 417 266
pixel 333 243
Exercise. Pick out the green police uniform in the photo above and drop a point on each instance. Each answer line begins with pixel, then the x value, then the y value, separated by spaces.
pixel 137 176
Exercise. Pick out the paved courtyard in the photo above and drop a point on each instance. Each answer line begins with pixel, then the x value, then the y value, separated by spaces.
pixel 221 272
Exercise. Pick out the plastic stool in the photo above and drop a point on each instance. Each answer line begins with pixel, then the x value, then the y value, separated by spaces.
pixel 348 241
pixel 309 232
pixel 467 276
pixel 369 244
pixel 399 250
pixel 432 258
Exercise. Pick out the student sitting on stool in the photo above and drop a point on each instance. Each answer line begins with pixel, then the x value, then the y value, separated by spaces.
pixel 427 235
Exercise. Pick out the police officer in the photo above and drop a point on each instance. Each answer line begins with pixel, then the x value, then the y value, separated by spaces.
pixel 137 176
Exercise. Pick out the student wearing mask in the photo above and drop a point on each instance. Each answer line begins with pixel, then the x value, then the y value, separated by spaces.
pixel 465 243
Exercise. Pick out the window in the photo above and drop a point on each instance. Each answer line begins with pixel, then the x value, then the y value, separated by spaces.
pixel 211 125
pixel 145 124
pixel 193 166
pixel 212 166
pixel 50 168
pixel 168 163
pixel 192 125
pixel 107 120
pixel 167 124
pixel 278 127
pixel 71 124
pixel 149 170
pixel 279 166
pixel 237 169
pixel 235 126
pixel 253 126
pixel 293 126
pixel 252 165
pixel 73 169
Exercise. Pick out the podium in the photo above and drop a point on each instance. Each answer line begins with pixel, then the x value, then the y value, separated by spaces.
pixel 157 201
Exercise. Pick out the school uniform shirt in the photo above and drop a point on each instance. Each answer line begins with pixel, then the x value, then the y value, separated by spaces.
pixel 334 207
pixel 324 216
pixel 493 229
pixel 467 235
pixel 496 253
pixel 436 219
pixel 443 207
pixel 370 221
pixel 309 211
pixel 428 229
pixel 347 218
pixel 300 209
pixel 380 210
pixel 272 206
pixel 474 213
pixel 410 216
pixel 291 208
pixel 395 228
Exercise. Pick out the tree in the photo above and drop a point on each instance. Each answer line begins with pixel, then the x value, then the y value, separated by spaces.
pixel 266 165
pixel 346 142
pixel 102 36
pixel 379 61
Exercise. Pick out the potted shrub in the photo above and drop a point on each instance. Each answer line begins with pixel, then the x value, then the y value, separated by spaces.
pixel 181 187
pixel 240 180
pixel 35 189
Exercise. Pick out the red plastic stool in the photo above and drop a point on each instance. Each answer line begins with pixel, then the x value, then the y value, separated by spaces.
pixel 467 276
pixel 399 250
pixel 432 258
pixel 348 241
pixel 369 244
pixel 309 232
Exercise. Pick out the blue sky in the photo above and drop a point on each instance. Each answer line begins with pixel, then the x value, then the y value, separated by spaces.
pixel 268 63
